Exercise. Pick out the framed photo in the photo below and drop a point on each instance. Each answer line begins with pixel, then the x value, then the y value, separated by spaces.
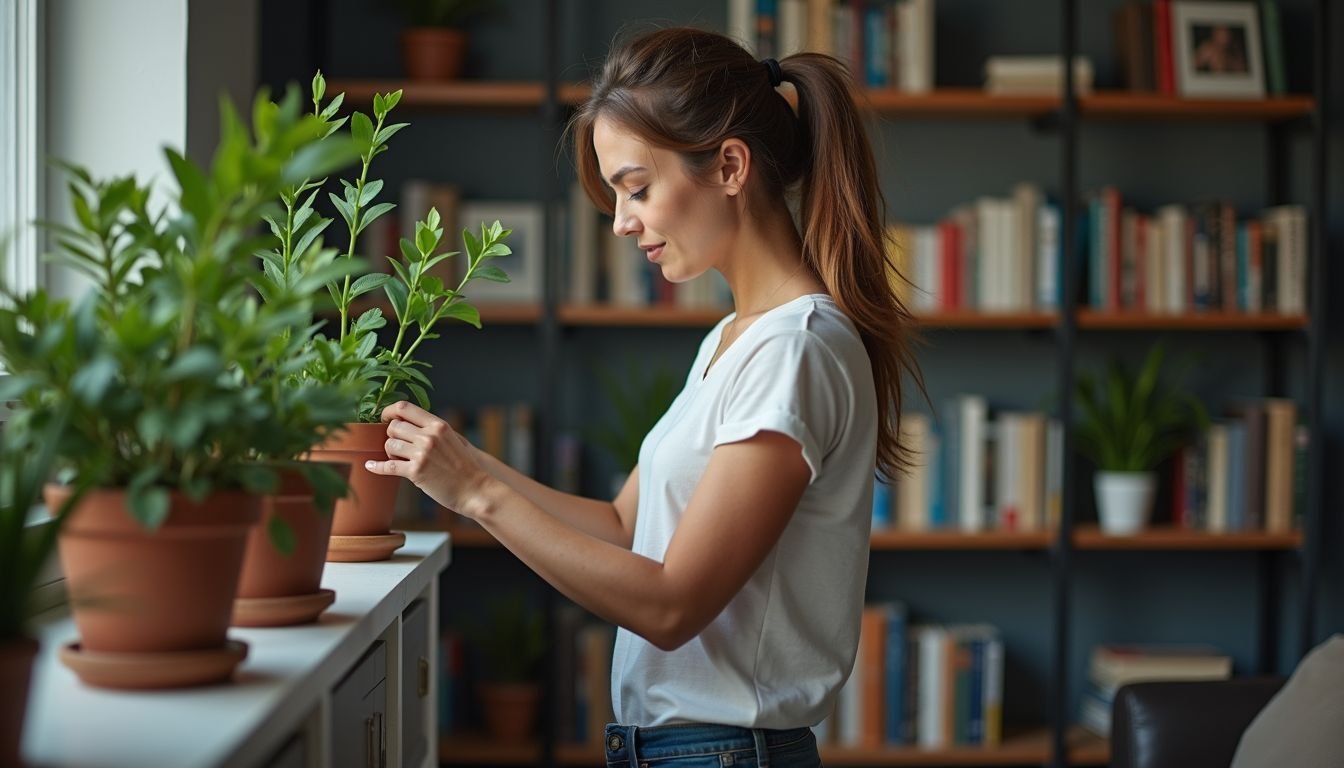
pixel 1217 47
pixel 523 266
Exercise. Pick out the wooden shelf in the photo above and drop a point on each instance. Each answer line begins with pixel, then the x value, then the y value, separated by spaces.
pixel 959 102
pixel 1128 104
pixel 1099 320
pixel 1089 536
pixel 973 103
pixel 491 314
pixel 988 320
pixel 607 315
pixel 950 540
pixel 1029 747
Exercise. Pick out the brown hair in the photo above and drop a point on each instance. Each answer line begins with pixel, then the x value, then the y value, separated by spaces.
pixel 688 90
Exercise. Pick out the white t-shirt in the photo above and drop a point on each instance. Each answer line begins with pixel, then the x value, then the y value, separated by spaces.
pixel 779 652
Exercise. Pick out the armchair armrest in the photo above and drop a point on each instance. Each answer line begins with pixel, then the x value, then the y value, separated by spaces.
pixel 1188 724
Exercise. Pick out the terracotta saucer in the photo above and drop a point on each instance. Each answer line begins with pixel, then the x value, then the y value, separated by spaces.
pixel 280 611
pixel 167 669
pixel 364 549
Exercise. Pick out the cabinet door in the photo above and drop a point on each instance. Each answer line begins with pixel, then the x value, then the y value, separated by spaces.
pixel 416 685
pixel 356 739
pixel 294 754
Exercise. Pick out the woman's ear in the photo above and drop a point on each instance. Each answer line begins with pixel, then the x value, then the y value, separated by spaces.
pixel 734 166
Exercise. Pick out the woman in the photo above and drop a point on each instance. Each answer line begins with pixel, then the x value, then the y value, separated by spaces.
pixel 734 558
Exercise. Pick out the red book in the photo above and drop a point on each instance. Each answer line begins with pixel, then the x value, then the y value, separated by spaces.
pixel 1166 72
pixel 949 262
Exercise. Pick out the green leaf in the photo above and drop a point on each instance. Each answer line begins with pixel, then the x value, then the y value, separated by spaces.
pixel 369 282
pixel 361 131
pixel 388 132
pixel 90 383
pixel 396 293
pixel 282 535
pixel 148 503
pixel 195 363
pixel 370 191
pixel 319 88
pixel 319 159
pixel 372 213
pixel 465 312
pixel 425 239
pixel 493 274
pixel 393 99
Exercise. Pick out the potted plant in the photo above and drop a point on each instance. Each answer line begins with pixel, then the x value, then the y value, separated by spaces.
pixel 512 646
pixel 24 551
pixel 433 43
pixel 160 376
pixel 1127 424
pixel 639 402
pixel 355 356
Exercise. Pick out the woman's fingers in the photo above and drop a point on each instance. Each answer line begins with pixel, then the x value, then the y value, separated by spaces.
pixel 407 411
pixel 390 467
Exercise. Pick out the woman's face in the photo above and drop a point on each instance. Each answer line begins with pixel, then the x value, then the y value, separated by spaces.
pixel 683 225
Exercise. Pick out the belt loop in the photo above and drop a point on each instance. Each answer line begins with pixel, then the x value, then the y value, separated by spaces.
pixel 762 751
pixel 630 738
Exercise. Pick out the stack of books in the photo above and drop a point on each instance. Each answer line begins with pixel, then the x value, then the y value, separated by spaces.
pixel 1116 665
pixel 1035 75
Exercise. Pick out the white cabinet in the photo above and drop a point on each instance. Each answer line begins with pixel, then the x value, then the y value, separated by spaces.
pixel 357 688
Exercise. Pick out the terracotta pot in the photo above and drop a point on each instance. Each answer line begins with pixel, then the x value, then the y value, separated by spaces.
pixel 16 666
pixel 368 510
pixel 138 591
pixel 433 53
pixel 269 573
pixel 510 710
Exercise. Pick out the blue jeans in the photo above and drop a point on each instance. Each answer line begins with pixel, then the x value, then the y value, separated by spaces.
pixel 696 745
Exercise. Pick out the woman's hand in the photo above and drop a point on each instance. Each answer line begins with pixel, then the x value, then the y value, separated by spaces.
pixel 422 448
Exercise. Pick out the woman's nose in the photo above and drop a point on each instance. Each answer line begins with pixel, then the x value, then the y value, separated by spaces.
pixel 623 223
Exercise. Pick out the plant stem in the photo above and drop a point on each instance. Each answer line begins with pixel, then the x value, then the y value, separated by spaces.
pixel 354 226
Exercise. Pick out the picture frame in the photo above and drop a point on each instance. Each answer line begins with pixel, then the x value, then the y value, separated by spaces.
pixel 1218 51
pixel 524 266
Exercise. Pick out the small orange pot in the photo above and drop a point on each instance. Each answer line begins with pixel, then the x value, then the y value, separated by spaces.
pixel 269 573
pixel 368 510
pixel 138 591
pixel 510 710
pixel 16 666
pixel 433 53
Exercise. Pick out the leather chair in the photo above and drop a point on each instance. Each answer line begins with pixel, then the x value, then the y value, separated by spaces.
pixel 1185 724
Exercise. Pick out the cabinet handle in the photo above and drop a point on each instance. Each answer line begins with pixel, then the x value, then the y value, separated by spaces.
pixel 370 749
pixel 424 677
pixel 382 739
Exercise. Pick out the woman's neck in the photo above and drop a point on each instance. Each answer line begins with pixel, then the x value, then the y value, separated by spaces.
pixel 766 267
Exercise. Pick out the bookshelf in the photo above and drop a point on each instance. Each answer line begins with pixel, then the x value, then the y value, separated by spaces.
pixel 968 103
pixel 1064 552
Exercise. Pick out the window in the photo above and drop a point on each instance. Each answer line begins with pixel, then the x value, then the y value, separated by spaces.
pixel 20 142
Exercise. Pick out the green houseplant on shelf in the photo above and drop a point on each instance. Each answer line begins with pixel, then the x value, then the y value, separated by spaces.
pixel 640 400
pixel 161 379
pixel 353 354
pixel 511 644
pixel 1128 423
pixel 24 551
pixel 434 41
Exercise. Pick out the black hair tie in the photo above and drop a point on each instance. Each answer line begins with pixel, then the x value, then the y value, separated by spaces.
pixel 776 74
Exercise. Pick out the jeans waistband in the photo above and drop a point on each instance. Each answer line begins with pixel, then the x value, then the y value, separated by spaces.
pixel 633 744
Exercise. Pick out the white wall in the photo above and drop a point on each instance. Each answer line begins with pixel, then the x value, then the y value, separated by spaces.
pixel 116 80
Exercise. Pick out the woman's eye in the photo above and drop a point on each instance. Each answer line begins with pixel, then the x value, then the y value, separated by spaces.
pixel 639 193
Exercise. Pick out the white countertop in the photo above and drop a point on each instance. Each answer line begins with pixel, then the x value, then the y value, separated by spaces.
pixel 285 674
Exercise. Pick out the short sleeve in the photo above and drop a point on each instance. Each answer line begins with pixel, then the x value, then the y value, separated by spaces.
pixel 791 384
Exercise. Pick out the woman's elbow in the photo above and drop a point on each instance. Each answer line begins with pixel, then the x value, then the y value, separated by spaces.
pixel 671 629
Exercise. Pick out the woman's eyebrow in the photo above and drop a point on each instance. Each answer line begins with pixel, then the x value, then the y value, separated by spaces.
pixel 621 173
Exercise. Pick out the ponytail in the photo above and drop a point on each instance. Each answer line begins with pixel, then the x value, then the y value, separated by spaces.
pixel 843 220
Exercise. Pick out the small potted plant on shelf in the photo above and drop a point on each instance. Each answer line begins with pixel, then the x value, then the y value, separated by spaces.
pixel 434 43
pixel 640 401
pixel 160 378
pixel 24 551
pixel 1127 424
pixel 353 354
pixel 510 692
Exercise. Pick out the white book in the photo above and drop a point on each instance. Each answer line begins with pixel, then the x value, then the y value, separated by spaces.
pixel 742 23
pixel 792 32
pixel 1172 225
pixel 912 503
pixel 929 711
pixel 1217 479
pixel 1047 257
pixel 974 411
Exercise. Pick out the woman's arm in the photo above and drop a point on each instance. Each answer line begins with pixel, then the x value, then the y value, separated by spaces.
pixel 611 521
pixel 738 511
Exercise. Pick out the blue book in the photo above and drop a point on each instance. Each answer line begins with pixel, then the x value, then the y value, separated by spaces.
pixel 894 685
pixel 976 727
pixel 881 505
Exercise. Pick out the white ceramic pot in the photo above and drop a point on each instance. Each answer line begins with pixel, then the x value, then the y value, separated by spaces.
pixel 1124 501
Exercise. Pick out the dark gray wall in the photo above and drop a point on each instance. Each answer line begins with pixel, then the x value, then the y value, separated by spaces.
pixel 928 166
